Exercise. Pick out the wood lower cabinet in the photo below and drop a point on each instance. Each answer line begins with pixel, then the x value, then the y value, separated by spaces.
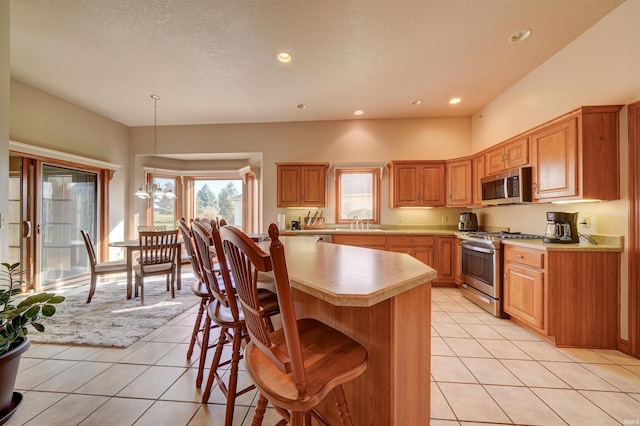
pixel 302 184
pixel 459 183
pixel 378 242
pixel 523 289
pixel 569 297
pixel 418 246
pixel 417 184
pixel 507 155
pixel 577 156
pixel 457 265
pixel 445 265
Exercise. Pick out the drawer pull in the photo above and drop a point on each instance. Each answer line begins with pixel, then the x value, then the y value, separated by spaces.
pixel 520 256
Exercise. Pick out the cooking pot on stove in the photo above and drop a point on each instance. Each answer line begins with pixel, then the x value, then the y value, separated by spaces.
pixel 468 222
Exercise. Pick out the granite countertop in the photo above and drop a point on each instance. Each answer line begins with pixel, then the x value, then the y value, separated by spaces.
pixel 327 271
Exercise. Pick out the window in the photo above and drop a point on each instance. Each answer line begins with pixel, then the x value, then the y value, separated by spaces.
pixel 219 198
pixel 357 194
pixel 164 209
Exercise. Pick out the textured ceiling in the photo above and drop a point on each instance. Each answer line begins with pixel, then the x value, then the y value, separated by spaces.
pixel 214 61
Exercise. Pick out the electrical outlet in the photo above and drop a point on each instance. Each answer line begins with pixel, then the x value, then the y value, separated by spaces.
pixel 400 218
pixel 444 218
pixel 585 221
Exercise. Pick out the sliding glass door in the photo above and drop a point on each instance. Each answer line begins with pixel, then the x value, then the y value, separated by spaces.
pixel 68 204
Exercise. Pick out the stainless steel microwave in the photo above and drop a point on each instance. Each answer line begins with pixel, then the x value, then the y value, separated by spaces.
pixel 509 187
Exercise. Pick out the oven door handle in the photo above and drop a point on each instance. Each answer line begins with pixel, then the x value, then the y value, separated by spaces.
pixel 477 248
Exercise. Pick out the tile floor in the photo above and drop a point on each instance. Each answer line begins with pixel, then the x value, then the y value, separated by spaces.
pixel 484 371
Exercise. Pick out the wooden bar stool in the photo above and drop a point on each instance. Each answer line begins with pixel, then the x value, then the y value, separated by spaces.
pixel 297 367
pixel 200 289
pixel 224 312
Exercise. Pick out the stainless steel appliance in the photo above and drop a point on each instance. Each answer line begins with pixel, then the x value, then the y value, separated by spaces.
pixel 562 227
pixel 508 187
pixel 468 222
pixel 481 268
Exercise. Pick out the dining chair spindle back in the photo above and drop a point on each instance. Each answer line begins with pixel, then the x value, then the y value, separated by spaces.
pixel 158 251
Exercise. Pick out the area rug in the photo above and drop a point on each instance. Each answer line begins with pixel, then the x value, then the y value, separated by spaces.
pixel 111 319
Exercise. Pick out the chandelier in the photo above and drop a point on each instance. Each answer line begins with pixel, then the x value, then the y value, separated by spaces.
pixel 153 190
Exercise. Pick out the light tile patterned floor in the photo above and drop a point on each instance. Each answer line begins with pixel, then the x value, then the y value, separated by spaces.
pixel 484 371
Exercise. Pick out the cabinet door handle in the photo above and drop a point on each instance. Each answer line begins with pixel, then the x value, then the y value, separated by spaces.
pixel 520 256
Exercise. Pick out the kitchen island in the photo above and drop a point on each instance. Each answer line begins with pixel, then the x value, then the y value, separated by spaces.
pixel 382 300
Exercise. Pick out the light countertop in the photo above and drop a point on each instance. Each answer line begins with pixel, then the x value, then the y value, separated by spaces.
pixel 604 243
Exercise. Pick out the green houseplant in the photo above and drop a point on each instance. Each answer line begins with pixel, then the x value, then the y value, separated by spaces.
pixel 14 320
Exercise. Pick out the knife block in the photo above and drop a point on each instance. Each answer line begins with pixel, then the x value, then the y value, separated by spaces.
pixel 319 223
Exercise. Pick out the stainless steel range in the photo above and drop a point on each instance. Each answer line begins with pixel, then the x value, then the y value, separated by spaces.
pixel 481 268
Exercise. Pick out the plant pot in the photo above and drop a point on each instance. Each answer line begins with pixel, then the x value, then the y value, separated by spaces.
pixel 9 363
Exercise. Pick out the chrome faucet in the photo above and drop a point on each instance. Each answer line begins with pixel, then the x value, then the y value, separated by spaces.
pixel 356 221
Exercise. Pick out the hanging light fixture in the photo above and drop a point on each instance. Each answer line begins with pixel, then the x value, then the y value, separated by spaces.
pixel 154 190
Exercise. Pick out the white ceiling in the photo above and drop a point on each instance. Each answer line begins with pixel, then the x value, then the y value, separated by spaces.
pixel 214 61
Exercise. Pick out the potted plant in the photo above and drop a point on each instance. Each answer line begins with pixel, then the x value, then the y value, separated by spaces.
pixel 13 330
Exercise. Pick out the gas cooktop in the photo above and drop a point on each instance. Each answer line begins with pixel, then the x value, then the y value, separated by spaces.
pixel 493 238
pixel 500 235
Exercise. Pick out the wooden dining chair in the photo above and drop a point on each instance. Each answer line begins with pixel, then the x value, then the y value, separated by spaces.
pixel 224 311
pixel 158 250
pixel 99 268
pixel 296 367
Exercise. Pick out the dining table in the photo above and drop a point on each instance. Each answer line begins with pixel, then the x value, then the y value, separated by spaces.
pixel 132 246
pixel 382 300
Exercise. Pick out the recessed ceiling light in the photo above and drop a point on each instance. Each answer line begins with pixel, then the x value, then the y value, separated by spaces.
pixel 284 57
pixel 301 106
pixel 416 102
pixel 455 101
pixel 358 112
pixel 519 36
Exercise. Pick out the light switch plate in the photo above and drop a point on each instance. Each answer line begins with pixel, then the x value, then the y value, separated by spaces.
pixel 1 220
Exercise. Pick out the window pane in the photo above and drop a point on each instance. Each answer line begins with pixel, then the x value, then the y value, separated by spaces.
pixel 164 209
pixel 219 198
pixel 356 198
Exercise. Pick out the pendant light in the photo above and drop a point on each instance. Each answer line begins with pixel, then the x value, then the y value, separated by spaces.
pixel 147 190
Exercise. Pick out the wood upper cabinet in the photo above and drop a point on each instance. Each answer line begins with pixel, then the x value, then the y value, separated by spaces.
pixel 507 155
pixel 524 285
pixel 478 173
pixel 459 183
pixel 302 184
pixel 417 184
pixel 577 156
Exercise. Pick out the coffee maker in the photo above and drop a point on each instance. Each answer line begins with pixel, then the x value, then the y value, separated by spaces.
pixel 562 227
pixel 468 222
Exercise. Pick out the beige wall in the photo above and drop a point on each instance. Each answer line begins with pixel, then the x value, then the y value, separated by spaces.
pixel 600 67
pixel 326 141
pixel 45 121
